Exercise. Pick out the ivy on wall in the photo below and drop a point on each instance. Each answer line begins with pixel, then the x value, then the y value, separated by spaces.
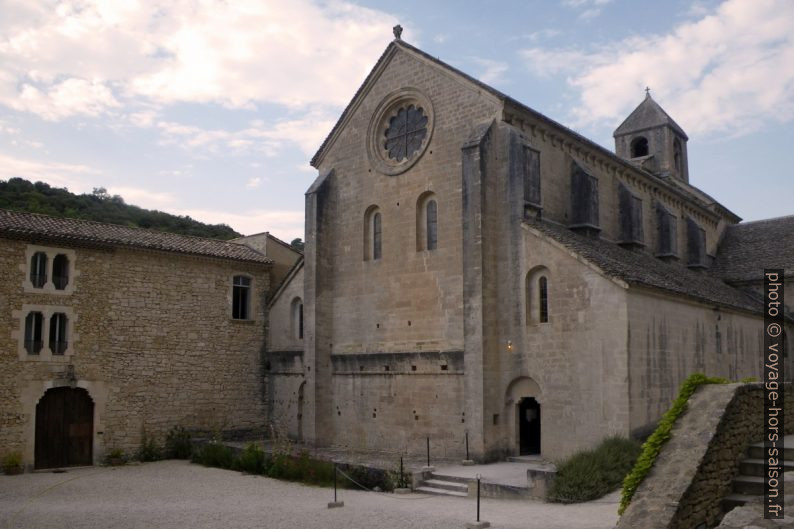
pixel 652 446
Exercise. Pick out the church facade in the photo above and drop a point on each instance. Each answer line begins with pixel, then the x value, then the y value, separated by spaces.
pixel 476 272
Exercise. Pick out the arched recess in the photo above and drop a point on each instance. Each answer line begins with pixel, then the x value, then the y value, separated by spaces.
pixel 426 222
pixel 373 233
pixel 639 147
pixel 523 399
pixel 64 432
pixel 537 287
pixel 296 318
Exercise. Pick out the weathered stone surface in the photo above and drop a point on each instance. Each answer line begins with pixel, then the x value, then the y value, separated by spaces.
pixel 152 342
pixel 695 468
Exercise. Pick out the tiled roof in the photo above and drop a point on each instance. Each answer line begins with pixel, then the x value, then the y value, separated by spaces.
pixel 747 248
pixel 35 227
pixel 640 268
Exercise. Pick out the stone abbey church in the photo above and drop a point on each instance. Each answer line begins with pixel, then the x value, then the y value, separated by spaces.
pixel 472 269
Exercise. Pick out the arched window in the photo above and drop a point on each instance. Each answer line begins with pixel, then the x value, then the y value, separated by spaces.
pixel 297 318
pixel 426 222
pixel 60 271
pixel 639 147
pixel 431 212
pixel 58 339
pixel 376 236
pixel 241 297
pixel 677 155
pixel 38 269
pixel 373 234
pixel 537 295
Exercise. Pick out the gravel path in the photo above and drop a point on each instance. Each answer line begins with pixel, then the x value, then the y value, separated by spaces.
pixel 177 494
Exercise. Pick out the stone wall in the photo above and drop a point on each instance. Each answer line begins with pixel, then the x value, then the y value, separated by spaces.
pixel 694 470
pixel 671 338
pixel 408 302
pixel 153 342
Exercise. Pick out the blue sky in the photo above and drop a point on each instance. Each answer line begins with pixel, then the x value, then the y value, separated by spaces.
pixel 213 109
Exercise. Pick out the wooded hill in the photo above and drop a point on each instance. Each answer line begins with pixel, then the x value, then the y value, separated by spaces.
pixel 21 195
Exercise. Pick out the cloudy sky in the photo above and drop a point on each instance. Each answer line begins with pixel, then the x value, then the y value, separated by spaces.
pixel 212 109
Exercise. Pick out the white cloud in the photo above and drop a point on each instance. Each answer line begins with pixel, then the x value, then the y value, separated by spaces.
pixel 88 57
pixel 254 182
pixel 550 62
pixel 63 99
pixel 493 71
pixel 728 72
pixel 587 8
pixel 57 174
pixel 306 132
pixel 284 224
pixel 143 197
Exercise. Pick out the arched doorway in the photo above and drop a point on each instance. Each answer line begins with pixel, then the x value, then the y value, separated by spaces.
pixel 523 398
pixel 64 428
pixel 529 426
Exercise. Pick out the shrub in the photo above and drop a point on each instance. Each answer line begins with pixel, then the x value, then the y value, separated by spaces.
pixel 400 481
pixel 251 460
pixel 301 468
pixel 149 450
pixel 652 447
pixel 214 454
pixel 590 474
pixel 367 477
pixel 177 443
pixel 12 462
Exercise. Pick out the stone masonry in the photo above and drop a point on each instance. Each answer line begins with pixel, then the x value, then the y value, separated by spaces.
pixel 152 341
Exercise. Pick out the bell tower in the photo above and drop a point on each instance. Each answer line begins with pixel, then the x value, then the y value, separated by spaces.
pixel 651 139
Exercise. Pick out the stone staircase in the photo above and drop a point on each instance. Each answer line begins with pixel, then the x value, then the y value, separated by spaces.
pixel 748 485
pixel 445 485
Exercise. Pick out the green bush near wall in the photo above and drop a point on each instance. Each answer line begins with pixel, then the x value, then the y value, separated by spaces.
pixel 590 474
pixel 653 445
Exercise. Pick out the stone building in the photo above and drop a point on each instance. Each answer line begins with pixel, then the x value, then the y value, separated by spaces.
pixel 110 332
pixel 473 268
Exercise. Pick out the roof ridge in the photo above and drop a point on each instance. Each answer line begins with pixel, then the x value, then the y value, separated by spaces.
pixel 122 226
pixel 24 225
pixel 771 219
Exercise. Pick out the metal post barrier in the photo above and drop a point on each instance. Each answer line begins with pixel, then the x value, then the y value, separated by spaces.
pixel 335 503
pixel 478 497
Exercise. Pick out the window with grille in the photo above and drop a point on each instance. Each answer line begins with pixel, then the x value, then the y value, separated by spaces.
pixel 38 269
pixel 34 322
pixel 58 338
pixel 241 294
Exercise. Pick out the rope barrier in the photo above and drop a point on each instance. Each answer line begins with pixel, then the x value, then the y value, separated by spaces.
pixel 384 493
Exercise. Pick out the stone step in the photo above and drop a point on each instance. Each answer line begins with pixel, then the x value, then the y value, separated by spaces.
pixel 446 485
pixel 756 451
pixel 442 492
pixel 736 500
pixel 752 485
pixel 755 467
pixel 525 459
pixel 454 479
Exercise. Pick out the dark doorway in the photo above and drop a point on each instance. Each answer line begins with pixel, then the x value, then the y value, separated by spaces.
pixel 64 428
pixel 529 426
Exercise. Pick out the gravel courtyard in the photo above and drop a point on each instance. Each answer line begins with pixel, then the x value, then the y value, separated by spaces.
pixel 177 494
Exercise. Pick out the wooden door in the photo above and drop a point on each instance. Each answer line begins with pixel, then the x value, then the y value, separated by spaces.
pixel 64 428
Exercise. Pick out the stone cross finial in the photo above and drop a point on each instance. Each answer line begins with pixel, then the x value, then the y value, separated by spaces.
pixel 398 31
pixel 647 91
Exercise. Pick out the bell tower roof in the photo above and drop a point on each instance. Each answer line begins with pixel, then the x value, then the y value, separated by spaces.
pixel 648 115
